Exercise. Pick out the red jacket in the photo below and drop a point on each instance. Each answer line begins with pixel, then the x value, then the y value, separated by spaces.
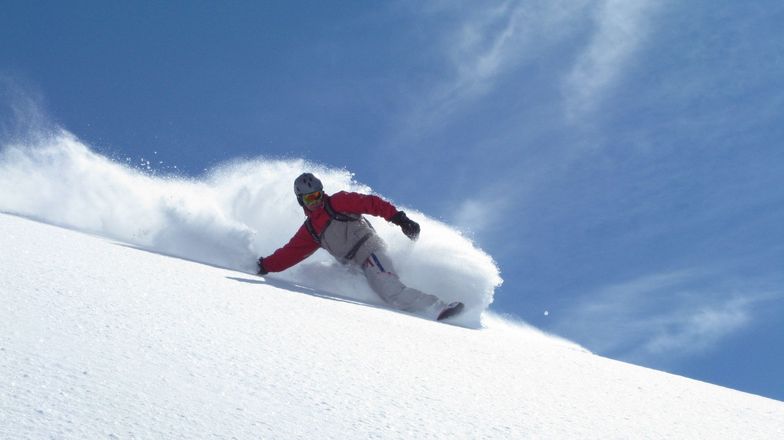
pixel 302 245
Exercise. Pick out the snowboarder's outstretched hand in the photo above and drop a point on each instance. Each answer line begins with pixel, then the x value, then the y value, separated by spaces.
pixel 261 271
pixel 409 227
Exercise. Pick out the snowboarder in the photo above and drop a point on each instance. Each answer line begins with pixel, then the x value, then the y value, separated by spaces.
pixel 336 224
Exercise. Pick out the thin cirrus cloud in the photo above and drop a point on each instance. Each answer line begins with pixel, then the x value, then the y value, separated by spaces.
pixel 621 28
pixel 503 38
pixel 662 317
pixel 483 45
pixel 489 50
pixel 488 43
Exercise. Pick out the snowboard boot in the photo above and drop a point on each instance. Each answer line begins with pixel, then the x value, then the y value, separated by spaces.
pixel 450 310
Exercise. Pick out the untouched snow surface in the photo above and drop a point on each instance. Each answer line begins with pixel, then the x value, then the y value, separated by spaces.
pixel 99 339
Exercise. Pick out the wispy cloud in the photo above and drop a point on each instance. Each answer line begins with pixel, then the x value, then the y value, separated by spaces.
pixel 499 39
pixel 477 215
pixel 484 45
pixel 621 27
pixel 489 42
pixel 701 328
pixel 664 316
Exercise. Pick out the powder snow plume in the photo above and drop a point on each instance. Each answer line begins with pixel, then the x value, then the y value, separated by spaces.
pixel 237 212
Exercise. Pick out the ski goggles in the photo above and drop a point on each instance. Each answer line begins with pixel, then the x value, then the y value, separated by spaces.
pixel 312 198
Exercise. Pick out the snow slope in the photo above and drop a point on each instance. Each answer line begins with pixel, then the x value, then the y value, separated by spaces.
pixel 99 339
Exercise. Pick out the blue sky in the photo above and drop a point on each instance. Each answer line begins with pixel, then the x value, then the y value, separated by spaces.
pixel 623 161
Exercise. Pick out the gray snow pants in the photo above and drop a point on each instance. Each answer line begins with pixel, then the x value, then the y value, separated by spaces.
pixel 381 276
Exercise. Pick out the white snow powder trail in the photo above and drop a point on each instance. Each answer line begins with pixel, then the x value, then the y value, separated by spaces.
pixel 235 213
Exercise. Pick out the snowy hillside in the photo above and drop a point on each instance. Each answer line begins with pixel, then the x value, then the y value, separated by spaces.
pixel 100 339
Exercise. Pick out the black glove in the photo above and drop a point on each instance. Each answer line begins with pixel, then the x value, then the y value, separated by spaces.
pixel 409 227
pixel 261 271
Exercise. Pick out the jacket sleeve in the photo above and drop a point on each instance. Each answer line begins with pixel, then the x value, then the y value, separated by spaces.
pixel 300 246
pixel 355 203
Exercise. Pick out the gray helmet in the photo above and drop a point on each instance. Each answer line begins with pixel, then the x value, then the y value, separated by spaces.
pixel 307 183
